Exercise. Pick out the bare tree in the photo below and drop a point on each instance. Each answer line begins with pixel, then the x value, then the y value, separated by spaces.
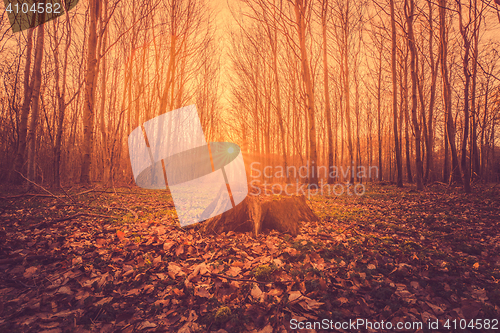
pixel 326 86
pixel 450 125
pixel 410 12
pixel 397 147
pixel 25 109
pixel 90 89
pixel 302 8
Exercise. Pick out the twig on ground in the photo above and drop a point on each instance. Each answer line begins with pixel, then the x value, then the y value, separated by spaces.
pixel 324 236
pixel 43 195
pixel 47 223
pixel 26 195
pixel 130 210
pixel 38 185
pixel 238 279
pixel 70 197
pixel 14 260
pixel 349 228
pixel 17 282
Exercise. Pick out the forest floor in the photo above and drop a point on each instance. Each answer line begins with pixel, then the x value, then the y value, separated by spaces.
pixel 115 261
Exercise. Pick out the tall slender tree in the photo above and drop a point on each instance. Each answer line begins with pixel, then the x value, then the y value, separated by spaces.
pixel 410 11
pixel 397 147
pixel 90 89
pixel 450 123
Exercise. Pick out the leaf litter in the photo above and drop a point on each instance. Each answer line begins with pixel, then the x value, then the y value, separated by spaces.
pixel 389 255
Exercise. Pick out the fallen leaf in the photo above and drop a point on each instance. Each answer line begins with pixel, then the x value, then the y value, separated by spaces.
pixel 310 304
pixel 202 291
pixel 168 245
pixel 133 292
pixel 267 329
pixel 104 301
pixel 174 270
pixel 76 261
pixel 120 234
pixel 437 310
pixel 180 250
pixel 30 272
pixel 294 295
pixel 157 260
pixel 257 294
pixel 233 271
pixel 146 324
pixel 342 300
pixel 148 289
pixel 64 290
pixel 470 309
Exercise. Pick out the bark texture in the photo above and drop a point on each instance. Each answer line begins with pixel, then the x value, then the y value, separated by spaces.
pixel 281 213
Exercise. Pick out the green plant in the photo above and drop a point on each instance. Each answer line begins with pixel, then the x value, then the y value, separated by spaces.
pixel 263 272
pixel 222 315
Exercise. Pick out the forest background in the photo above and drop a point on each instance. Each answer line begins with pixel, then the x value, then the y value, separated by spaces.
pixel 411 86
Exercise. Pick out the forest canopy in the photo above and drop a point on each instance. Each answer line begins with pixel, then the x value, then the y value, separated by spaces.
pixel 411 87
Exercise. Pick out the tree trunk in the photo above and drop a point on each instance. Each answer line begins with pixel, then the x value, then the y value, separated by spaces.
pixel 347 90
pixel 429 170
pixel 326 88
pixel 90 87
pixel 397 147
pixel 409 174
pixel 273 38
pixel 450 125
pixel 379 116
pixel 25 110
pixel 35 99
pixel 475 159
pixel 414 85
pixel 465 62
pixel 255 214
pixel 61 103
pixel 300 13
pixel 106 174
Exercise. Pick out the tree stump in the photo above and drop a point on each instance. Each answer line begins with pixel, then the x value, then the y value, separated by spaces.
pixel 281 213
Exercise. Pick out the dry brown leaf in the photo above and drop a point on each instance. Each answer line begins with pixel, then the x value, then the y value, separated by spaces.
pixel 104 301
pixel 30 272
pixel 343 300
pixel 294 296
pixel 100 242
pixel 120 234
pixel 65 290
pixel 233 271
pixel 179 250
pixel 310 304
pixel 202 291
pixel 256 293
pixel 267 329
pixel 133 292
pixel 148 289
pixel 437 310
pixel 146 324
pixel 157 260
pixel 168 245
pixel 174 270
